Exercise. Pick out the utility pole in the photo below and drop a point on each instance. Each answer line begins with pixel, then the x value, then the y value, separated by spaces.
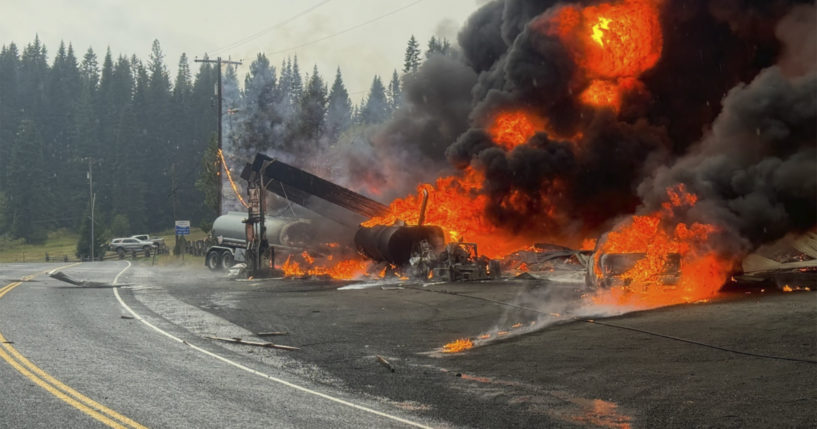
pixel 93 197
pixel 219 63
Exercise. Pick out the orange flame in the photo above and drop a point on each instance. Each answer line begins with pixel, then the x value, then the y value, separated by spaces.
pixel 611 42
pixel 457 205
pixel 588 244
pixel 602 93
pixel 457 346
pixel 659 236
pixel 305 265
pixel 513 128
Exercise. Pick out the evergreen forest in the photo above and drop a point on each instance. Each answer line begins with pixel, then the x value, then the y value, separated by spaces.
pixel 147 140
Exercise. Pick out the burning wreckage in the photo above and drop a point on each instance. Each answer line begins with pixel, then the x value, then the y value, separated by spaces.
pixel 416 251
pixel 570 121
pixel 421 251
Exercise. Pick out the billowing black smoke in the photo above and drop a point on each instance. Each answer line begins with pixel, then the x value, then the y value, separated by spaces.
pixel 410 148
pixel 729 110
pixel 756 170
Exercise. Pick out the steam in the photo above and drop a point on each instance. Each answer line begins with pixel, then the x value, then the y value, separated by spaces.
pixel 542 307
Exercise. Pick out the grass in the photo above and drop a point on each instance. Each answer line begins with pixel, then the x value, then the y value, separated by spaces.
pixel 63 243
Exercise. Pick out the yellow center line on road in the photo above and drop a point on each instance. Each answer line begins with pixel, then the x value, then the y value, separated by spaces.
pixel 55 387
pixel 8 287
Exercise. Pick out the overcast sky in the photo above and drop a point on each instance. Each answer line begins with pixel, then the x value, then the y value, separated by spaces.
pixel 241 28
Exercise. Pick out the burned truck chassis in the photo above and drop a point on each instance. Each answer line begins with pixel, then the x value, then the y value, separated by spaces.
pixel 417 251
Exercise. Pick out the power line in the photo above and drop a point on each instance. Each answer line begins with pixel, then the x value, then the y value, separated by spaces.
pixel 346 30
pixel 270 28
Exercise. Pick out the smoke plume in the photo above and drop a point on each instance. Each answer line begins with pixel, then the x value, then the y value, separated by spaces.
pixel 727 109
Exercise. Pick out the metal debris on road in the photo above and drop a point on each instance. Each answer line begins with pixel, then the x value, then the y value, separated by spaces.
pixel 252 343
pixel 385 362
pixel 59 275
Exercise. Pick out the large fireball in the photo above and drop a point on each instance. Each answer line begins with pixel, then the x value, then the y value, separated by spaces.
pixel 611 43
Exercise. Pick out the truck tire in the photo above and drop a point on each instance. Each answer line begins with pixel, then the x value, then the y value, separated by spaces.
pixel 120 252
pixel 213 260
pixel 227 260
pixel 147 251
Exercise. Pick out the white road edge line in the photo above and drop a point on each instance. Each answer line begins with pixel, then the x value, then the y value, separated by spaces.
pixel 250 370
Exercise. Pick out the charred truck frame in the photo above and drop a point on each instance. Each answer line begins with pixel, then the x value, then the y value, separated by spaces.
pixel 417 250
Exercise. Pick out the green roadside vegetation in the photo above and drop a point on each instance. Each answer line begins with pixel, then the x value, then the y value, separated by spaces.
pixel 59 245
pixel 62 244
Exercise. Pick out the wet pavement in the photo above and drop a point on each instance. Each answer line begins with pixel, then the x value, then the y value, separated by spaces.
pixel 545 360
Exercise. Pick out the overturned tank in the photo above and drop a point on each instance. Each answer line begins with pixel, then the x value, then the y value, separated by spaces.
pixel 396 244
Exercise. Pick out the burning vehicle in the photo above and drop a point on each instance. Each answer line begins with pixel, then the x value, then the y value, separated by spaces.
pixel 418 251
pixel 561 122
pixel 607 270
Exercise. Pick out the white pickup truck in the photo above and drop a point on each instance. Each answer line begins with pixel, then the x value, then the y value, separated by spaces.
pixel 158 241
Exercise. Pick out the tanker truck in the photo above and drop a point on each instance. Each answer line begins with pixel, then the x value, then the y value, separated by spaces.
pixel 230 233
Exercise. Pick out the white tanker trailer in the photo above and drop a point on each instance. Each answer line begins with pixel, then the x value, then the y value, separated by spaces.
pixel 230 233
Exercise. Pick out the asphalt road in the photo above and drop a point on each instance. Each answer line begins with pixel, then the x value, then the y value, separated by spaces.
pixel 547 367
pixel 78 337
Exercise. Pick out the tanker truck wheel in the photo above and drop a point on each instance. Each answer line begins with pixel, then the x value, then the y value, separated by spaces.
pixel 213 260
pixel 227 260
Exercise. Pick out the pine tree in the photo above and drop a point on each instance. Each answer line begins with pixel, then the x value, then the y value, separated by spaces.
pixel 107 115
pixel 297 86
pixel 135 144
pixel 412 59
pixel 87 121
pixel 231 93
pixel 27 192
pixel 34 81
pixel 202 132
pixel 83 249
pixel 181 110
pixel 376 109
pixel 260 78
pixel 438 47
pixel 160 149
pixel 339 110
pixel 312 109
pixel 62 137
pixel 183 86
pixel 204 107
pixel 9 111
pixel 90 69
pixel 395 94
pixel 208 181
pixel 285 83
